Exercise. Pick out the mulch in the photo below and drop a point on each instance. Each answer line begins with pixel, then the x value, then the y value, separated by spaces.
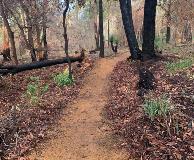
pixel 145 138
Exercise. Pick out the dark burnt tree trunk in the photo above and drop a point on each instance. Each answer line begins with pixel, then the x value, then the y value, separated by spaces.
pixel 10 32
pixel 101 29
pixel 4 70
pixel 126 11
pixel 65 36
pixel 168 28
pixel 149 29
pixel 168 33
pixel 45 44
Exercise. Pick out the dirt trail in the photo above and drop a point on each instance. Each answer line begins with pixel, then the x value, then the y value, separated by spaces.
pixel 82 133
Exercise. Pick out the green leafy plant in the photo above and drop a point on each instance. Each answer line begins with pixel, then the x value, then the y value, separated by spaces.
pixel 113 38
pixel 173 67
pixel 63 79
pixel 35 90
pixel 157 107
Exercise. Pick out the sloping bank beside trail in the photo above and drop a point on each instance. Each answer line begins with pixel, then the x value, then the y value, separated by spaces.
pixel 158 125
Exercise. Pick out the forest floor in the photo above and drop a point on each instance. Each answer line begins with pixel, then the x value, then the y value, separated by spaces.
pixel 101 116
pixel 83 132
pixel 31 104
pixel 158 125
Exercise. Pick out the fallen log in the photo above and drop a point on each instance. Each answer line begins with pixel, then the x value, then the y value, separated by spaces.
pixel 4 70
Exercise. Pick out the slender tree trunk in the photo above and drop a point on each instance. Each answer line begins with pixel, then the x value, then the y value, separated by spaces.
pixel 126 11
pixel 108 32
pixel 168 34
pixel 109 4
pixel 96 35
pixel 96 28
pixel 101 29
pixel 10 32
pixel 168 27
pixel 65 36
pixel 31 42
pixel 45 44
pixel 149 29
pixel 30 32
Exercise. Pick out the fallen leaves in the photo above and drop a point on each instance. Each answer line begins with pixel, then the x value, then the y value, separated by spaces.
pixel 24 127
pixel 143 138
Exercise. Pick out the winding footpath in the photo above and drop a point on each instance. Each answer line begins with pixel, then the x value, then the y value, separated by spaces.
pixel 82 132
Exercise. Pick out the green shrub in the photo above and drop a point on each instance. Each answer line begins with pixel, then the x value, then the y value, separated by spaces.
pixel 156 107
pixel 35 90
pixel 173 67
pixel 114 39
pixel 63 79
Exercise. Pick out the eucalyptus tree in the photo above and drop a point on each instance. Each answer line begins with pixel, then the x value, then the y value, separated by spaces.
pixel 4 15
pixel 149 26
pixel 148 51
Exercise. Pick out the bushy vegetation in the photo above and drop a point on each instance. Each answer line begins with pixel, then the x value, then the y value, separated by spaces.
pixel 35 90
pixel 63 79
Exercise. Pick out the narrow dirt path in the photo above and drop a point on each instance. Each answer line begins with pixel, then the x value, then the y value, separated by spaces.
pixel 82 133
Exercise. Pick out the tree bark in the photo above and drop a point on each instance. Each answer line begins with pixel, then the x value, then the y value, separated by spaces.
pixel 101 29
pixel 65 36
pixel 24 67
pixel 149 29
pixel 108 32
pixel 10 32
pixel 126 11
pixel 30 32
pixel 96 28
pixel 45 44
pixel 168 28
pixel 168 34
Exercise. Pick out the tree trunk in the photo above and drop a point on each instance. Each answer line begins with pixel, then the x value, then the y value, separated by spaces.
pixel 45 56
pixel 101 29
pixel 30 32
pixel 126 11
pixel 24 67
pixel 96 28
pixel 65 36
pixel 108 32
pixel 149 29
pixel 10 32
pixel 109 5
pixel 168 34
pixel 44 26
pixel 168 28
pixel 96 35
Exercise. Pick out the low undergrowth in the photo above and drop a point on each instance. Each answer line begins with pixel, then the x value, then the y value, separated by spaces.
pixel 182 64
pixel 35 90
pixel 63 79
